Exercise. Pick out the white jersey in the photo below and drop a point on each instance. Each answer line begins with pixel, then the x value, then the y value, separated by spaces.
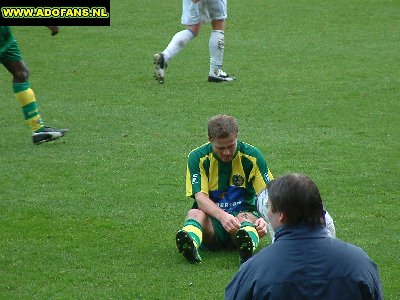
pixel 203 11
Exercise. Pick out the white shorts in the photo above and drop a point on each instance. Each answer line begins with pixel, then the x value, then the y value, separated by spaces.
pixel 203 11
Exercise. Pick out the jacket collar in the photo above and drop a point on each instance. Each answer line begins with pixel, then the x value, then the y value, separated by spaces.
pixel 301 231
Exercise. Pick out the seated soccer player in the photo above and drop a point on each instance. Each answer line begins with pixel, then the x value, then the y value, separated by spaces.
pixel 224 176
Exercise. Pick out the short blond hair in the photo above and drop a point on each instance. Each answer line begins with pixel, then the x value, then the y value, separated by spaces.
pixel 222 126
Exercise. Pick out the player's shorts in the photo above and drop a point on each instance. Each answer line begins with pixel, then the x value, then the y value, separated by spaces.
pixel 221 236
pixel 12 53
pixel 203 11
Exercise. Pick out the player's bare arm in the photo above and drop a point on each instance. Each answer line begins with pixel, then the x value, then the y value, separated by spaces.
pixel 230 223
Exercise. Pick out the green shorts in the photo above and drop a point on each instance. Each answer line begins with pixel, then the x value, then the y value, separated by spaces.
pixel 222 238
pixel 12 53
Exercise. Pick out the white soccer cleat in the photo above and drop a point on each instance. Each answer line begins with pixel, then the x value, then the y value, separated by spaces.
pixel 220 76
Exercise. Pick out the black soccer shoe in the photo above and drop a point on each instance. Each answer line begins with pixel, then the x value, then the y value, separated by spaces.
pixel 47 135
pixel 186 246
pixel 245 245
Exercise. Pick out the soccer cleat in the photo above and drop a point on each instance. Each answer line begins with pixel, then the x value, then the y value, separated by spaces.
pixel 245 245
pixel 159 67
pixel 220 76
pixel 187 247
pixel 47 135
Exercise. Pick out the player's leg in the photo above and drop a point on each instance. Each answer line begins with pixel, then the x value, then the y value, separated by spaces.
pixel 177 43
pixel 180 40
pixel 24 94
pixel 26 98
pixel 196 227
pixel 246 237
pixel 191 19
pixel 218 14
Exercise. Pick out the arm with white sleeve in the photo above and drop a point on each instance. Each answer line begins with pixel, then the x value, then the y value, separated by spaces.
pixel 262 208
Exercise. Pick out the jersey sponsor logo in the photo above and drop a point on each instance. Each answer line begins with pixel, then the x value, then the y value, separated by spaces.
pixel 228 206
pixel 232 201
pixel 237 180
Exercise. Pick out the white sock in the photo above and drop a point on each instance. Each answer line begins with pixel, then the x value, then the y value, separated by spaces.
pixel 177 43
pixel 216 45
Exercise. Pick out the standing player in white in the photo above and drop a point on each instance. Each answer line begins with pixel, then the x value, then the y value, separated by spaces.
pixel 194 13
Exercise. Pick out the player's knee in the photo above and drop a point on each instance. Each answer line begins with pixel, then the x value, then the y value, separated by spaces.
pixel 196 214
pixel 246 216
pixel 218 24
pixel 21 75
pixel 194 29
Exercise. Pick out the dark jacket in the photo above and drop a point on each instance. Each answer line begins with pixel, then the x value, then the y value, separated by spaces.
pixel 304 263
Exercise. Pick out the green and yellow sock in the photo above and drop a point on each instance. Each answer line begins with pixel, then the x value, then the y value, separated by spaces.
pixel 26 99
pixel 195 231
pixel 251 230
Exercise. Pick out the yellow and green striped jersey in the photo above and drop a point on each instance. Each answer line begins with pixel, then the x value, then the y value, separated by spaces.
pixel 233 186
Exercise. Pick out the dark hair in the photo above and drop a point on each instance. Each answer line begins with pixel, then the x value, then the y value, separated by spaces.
pixel 297 196
pixel 222 126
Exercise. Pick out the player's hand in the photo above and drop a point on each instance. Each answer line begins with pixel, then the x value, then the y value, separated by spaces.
pixel 261 227
pixel 53 29
pixel 230 223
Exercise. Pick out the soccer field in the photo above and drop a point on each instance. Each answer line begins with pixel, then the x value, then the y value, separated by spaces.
pixel 94 215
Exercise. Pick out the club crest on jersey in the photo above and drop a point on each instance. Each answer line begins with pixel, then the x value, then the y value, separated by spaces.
pixel 237 180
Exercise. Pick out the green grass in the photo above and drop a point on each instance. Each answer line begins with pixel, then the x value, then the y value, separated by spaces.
pixel 94 215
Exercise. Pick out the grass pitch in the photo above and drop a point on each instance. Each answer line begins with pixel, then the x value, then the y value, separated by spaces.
pixel 94 215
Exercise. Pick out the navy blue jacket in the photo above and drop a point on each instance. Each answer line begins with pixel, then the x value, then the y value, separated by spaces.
pixel 304 263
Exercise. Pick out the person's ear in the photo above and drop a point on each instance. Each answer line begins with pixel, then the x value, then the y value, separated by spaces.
pixel 282 218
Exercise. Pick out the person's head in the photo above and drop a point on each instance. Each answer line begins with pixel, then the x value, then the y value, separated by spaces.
pixel 294 199
pixel 222 134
